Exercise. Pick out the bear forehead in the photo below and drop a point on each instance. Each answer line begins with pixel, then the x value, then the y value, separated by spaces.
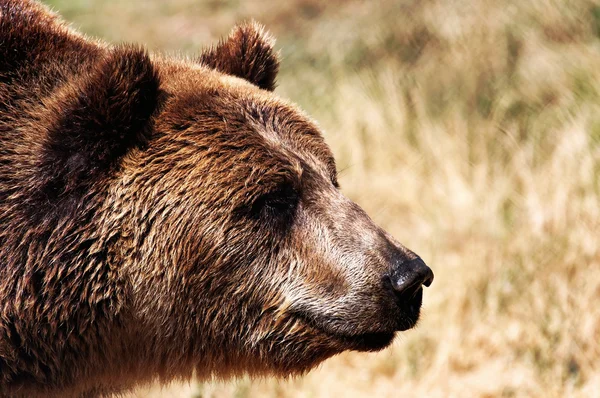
pixel 221 111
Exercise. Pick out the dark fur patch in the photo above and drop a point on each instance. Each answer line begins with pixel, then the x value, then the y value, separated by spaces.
pixel 247 53
pixel 107 114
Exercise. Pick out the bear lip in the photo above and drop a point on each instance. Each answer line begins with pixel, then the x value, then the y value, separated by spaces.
pixel 370 340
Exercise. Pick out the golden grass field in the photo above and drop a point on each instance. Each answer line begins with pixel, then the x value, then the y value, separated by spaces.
pixel 468 129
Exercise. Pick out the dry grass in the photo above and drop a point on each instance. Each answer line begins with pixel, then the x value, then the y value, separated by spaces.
pixel 471 131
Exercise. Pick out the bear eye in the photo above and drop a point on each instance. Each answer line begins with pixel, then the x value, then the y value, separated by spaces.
pixel 279 203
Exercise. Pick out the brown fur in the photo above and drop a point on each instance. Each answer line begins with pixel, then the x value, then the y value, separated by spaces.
pixel 161 217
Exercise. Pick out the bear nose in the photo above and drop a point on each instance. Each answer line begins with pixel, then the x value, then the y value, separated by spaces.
pixel 408 277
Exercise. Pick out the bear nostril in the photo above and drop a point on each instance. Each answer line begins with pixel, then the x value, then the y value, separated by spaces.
pixel 408 277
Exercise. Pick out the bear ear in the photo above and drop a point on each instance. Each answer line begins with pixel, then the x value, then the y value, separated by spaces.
pixel 94 122
pixel 247 53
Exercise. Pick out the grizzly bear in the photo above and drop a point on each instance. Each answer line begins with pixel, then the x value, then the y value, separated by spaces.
pixel 164 218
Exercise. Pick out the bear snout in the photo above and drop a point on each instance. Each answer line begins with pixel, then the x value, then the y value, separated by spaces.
pixel 407 277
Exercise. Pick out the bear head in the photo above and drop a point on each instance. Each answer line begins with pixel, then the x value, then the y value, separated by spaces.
pixel 236 249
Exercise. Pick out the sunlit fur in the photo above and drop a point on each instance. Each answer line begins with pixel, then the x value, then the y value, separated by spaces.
pixel 161 217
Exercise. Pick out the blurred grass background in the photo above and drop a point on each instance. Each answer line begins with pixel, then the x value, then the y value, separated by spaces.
pixel 468 129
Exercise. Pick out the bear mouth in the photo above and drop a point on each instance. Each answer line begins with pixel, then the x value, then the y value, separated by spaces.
pixel 404 317
pixel 369 341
